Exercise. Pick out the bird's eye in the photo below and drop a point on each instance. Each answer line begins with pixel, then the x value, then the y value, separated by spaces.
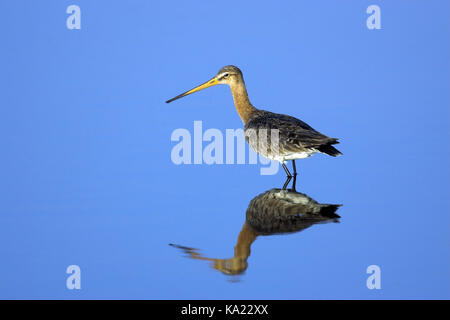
pixel 225 75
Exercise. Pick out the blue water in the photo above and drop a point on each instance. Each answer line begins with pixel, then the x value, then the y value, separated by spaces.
pixel 86 176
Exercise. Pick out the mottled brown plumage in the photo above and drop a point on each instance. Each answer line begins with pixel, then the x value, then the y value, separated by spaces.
pixel 284 211
pixel 294 139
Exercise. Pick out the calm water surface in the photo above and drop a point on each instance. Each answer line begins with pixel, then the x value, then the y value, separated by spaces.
pixel 86 176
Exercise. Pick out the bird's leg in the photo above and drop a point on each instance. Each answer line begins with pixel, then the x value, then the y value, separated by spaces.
pixel 288 174
pixel 288 179
pixel 286 170
pixel 295 176
pixel 295 169
pixel 294 182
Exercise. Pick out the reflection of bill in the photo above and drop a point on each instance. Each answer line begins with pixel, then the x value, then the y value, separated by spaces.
pixel 275 211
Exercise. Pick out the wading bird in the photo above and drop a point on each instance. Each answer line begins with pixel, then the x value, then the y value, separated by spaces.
pixel 294 139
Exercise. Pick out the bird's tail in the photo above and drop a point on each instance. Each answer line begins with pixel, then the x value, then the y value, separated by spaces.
pixel 329 211
pixel 329 149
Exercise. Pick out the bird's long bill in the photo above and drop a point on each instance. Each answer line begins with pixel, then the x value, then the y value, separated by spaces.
pixel 207 84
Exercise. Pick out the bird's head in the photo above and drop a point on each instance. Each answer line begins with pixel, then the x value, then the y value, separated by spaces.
pixel 229 75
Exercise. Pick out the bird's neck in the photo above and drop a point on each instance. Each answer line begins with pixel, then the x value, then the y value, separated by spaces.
pixel 245 239
pixel 241 101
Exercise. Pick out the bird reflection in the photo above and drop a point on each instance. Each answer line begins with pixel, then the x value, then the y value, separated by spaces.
pixel 276 211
